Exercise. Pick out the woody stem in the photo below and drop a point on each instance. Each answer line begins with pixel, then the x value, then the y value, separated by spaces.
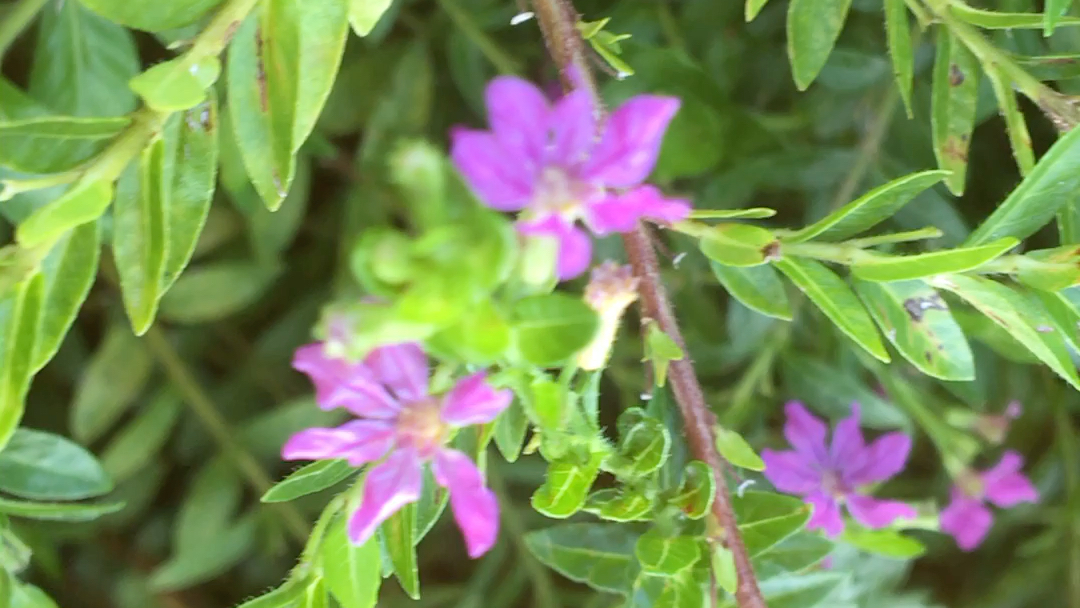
pixel 557 20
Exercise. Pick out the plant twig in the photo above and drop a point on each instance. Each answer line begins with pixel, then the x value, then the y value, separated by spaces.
pixel 557 19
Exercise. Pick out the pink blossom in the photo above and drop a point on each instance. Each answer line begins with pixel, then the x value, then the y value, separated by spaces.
pixel 555 165
pixel 967 517
pixel 830 475
pixel 403 425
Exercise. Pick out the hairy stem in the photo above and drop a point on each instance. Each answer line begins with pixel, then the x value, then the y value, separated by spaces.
pixel 16 20
pixel 557 19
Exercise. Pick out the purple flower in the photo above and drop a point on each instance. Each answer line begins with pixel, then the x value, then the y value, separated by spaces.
pixel 829 476
pixel 555 165
pixel 401 420
pixel 967 518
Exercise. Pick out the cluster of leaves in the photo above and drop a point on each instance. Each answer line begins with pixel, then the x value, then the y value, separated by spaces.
pixel 138 137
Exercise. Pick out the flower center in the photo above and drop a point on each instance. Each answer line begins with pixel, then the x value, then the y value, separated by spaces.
pixel 832 485
pixel 420 427
pixel 559 194
pixel 971 485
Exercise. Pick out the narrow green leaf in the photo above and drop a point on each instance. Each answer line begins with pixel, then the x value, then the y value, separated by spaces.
pixel 757 287
pixel 753 7
pixel 993 20
pixel 141 440
pixel 115 376
pixel 598 555
pixel 83 202
pixel 549 329
pixel 1052 184
pixel 952 111
pixel 68 272
pixel 216 290
pixel 918 323
pixel 178 84
pixel 880 267
pixel 20 320
pixel 152 15
pixel 736 450
pixel 753 213
pixel 399 538
pixel 288 595
pixel 812 29
pixel 309 479
pixel 898 33
pixel 364 14
pixel 739 245
pixel 50 511
pixel 44 466
pixel 723 569
pixel 833 296
pixel 510 429
pixel 890 543
pixel 193 564
pixel 1016 315
pixel 868 210
pixel 765 519
pixel 52 144
pixel 1015 125
pixel 660 555
pixel 352 573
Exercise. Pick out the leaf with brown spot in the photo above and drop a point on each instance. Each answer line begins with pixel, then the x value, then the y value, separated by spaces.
pixel 953 100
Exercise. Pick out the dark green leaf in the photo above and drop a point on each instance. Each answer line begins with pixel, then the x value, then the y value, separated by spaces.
pixel 868 210
pixel 216 290
pixel 50 511
pixel 549 329
pixel 833 296
pixel 113 379
pixel 52 144
pixel 918 323
pixel 952 113
pixel 309 479
pixel 765 519
pixel 660 555
pixel 599 555
pixel 898 33
pixel 757 287
pixel 880 267
pixel 43 466
pixel 795 553
pixel 739 245
pixel 812 29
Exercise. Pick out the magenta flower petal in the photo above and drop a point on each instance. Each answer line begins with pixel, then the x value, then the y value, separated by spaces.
pixel 874 513
pixel 847 441
pixel 882 459
pixel 631 141
pixel 573 123
pixel 1004 484
pixel 790 472
pixel 339 383
pixel 359 441
pixel 388 487
pixel 475 508
pixel 401 367
pixel 474 401
pixel 500 178
pixel 967 520
pixel 805 432
pixel 575 248
pixel 518 113
pixel 826 514
pixel 621 212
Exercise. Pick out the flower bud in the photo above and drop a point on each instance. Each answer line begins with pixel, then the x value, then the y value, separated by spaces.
pixel 610 291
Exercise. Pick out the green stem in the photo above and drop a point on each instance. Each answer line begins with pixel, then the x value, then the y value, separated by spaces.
pixel 839 253
pixel 543 590
pixel 502 60
pixel 212 40
pixel 16 20
pixel 930 232
pixel 207 412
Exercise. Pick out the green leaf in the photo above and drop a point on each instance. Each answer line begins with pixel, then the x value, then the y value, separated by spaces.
pixel 795 553
pixel 757 287
pixel 1015 125
pixel 364 14
pixel 868 210
pixel 137 444
pixel 310 478
pixel 833 296
pixel 51 511
pixel 481 335
pixel 25 595
pixel 739 245
pixel 565 488
pixel 661 350
pixel 193 564
pixel 282 65
pixel 684 590
pixel 696 491
pixel 550 329
pixel 753 213
pixel 880 267
pixel 288 595
pixel 43 466
pixel 115 376
pixel 68 273
pixel 890 543
pixel 82 63
pixel 510 429
pixel 598 555
pixel 723 569
pixel 152 15
pixel 178 84
pixel 1053 183
pixel 1064 311
pixel 619 505
pixel 1050 269
pixel 316 595
pixel 399 538
pixel 993 20
pixel 352 572
pixel 765 519
pixel 644 444
pixel 20 315
pixel 1052 14
pixel 660 555
pixel 216 290
pixel 736 450
pixel 52 144
pixel 918 323
pixel 812 29
pixel 752 8
pixel 1016 315
pixel 898 33
pixel 952 111
pixel 83 202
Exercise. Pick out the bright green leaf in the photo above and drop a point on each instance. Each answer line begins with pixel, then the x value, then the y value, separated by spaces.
pixel 890 543
pixel 364 14
pixel 309 479
pixel 619 505
pixel 993 20
pixel 352 573
pixel 83 202
pixel 812 29
pixel 661 350
pixel 880 267
pixel 68 272
pixel 739 245
pixel 565 488
pixel 20 320
pixel 737 450
pixel 510 429
pixel 697 490
pixel 757 287
pixel 753 213
pixel 765 519
pixel 660 555
pixel 152 15
pixel 178 84
pixel 549 329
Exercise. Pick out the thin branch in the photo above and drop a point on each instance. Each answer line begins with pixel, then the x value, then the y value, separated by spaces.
pixel 557 19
